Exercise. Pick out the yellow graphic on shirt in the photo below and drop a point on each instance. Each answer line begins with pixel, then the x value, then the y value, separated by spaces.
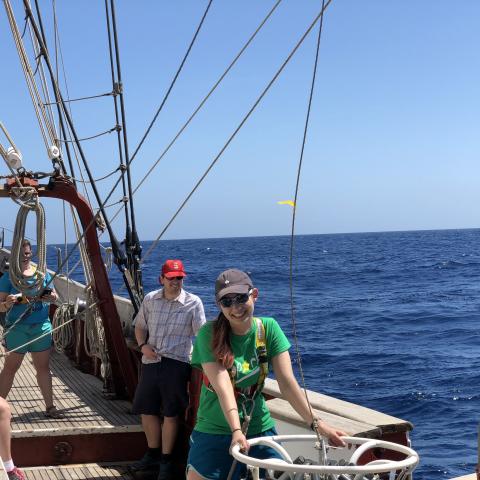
pixel 245 366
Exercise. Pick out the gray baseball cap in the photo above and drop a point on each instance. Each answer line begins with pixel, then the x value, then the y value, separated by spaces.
pixel 232 281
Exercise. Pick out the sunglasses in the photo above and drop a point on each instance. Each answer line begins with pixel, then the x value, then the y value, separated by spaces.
pixel 239 299
pixel 174 278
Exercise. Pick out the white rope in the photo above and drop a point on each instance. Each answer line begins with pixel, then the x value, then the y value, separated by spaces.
pixel 28 283
pixel 62 332
pixel 95 343
pixel 46 128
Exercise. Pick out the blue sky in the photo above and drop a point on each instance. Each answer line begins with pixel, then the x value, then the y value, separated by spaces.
pixel 394 136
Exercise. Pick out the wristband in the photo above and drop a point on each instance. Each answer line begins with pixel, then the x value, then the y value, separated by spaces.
pixel 314 424
pixel 142 345
pixel 235 429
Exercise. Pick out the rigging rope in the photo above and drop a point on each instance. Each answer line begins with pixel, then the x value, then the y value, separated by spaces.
pixel 70 320
pixel 182 63
pixel 233 135
pixel 108 94
pixel 322 450
pixel 62 330
pixel 97 179
pixel 106 132
pixel 46 129
pixel 199 107
pixel 95 342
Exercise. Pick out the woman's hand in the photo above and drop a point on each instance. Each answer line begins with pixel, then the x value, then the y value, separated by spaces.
pixel 331 433
pixel 49 297
pixel 238 438
pixel 10 300
pixel 149 352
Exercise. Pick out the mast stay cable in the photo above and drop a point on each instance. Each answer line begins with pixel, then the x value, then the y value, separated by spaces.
pixel 322 450
pixel 120 259
pixel 132 249
pixel 204 100
pixel 243 121
pixel 149 128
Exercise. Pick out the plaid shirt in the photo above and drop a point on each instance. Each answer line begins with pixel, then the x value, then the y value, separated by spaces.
pixel 171 324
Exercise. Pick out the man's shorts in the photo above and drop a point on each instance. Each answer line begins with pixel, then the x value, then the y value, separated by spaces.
pixel 23 333
pixel 162 389
pixel 209 454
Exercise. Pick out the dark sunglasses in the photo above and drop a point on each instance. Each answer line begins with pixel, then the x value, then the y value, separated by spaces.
pixel 239 299
pixel 174 278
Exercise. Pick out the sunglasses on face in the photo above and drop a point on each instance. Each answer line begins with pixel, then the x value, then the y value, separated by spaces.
pixel 239 299
pixel 174 278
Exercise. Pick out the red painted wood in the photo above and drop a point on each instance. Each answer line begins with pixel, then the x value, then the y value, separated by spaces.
pixel 123 370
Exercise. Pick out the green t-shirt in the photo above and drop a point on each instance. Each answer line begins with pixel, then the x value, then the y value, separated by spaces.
pixel 210 418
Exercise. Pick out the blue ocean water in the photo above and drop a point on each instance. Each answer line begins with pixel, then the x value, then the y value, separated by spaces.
pixel 385 320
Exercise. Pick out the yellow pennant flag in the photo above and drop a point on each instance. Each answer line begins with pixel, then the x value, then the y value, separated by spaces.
pixel 287 202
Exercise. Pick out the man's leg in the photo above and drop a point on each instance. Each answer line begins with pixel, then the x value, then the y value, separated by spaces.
pixel 12 364
pixel 152 427
pixel 169 434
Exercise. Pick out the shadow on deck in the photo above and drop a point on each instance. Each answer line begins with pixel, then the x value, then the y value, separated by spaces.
pixel 93 429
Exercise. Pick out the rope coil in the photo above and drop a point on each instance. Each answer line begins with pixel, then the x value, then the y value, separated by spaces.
pixel 28 283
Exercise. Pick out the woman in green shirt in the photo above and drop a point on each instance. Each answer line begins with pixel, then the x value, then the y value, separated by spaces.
pixel 229 351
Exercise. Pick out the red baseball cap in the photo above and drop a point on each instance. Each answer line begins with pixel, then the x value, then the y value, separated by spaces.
pixel 173 268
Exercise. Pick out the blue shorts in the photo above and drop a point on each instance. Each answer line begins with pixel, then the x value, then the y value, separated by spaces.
pixel 209 454
pixel 21 334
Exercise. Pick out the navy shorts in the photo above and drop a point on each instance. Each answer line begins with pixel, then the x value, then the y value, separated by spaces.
pixel 209 454
pixel 162 389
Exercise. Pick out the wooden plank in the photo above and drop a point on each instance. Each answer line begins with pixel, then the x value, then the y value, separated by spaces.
pixel 282 411
pixel 387 423
pixel 77 394
pixel 78 472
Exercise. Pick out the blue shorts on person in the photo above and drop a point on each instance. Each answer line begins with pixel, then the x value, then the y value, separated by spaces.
pixel 209 455
pixel 21 334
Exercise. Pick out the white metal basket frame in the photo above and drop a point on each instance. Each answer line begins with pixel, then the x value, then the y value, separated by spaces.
pixel 407 465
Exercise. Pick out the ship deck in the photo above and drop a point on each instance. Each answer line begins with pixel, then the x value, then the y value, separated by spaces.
pixel 78 472
pixel 84 434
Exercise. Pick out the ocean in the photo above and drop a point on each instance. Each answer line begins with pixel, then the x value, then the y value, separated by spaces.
pixel 385 320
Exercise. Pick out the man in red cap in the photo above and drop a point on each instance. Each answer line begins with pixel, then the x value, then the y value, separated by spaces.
pixel 164 326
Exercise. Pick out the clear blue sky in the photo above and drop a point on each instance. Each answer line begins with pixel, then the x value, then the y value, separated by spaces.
pixel 394 140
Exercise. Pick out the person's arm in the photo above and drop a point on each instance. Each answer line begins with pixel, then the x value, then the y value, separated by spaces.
pixel 198 319
pixel 141 334
pixel 220 380
pixel 6 301
pixel 282 367
pixel 6 298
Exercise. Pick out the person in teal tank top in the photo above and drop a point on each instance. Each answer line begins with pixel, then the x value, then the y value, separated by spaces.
pixel 227 351
pixel 27 329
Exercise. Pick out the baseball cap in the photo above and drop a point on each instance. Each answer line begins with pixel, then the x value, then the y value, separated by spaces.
pixel 232 281
pixel 173 268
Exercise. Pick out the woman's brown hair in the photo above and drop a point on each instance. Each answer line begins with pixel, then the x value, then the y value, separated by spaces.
pixel 221 347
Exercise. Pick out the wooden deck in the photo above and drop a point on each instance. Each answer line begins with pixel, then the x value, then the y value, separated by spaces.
pixel 85 434
pixel 92 471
